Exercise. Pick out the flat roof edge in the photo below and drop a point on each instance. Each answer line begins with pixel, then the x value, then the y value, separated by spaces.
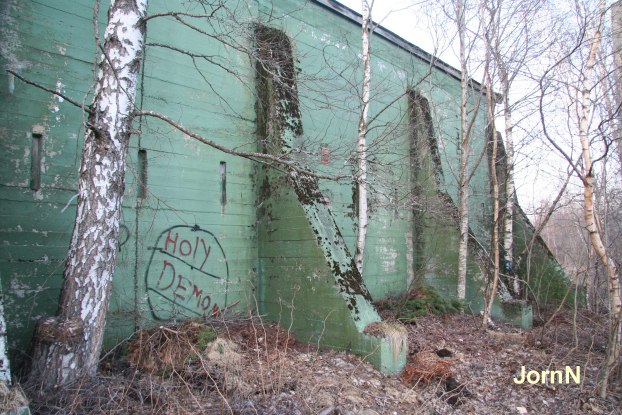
pixel 382 31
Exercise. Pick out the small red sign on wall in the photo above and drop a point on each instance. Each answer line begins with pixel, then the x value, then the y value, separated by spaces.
pixel 325 151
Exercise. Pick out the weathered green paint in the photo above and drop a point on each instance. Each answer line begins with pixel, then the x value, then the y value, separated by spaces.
pixel 276 250
pixel 294 198
pixel 298 287
pixel 43 42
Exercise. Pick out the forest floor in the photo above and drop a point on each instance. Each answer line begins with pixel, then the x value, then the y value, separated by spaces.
pixel 246 366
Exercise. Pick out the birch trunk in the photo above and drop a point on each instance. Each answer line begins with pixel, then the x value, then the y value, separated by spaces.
pixel 495 226
pixel 591 215
pixel 463 185
pixel 494 181
pixel 361 149
pixel 616 33
pixel 68 346
pixel 494 45
pixel 508 216
pixel 5 370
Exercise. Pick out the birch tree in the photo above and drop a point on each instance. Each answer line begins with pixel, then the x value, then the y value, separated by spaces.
pixel 68 345
pixel 576 74
pixel 489 32
pixel 361 148
pixel 616 31
pixel 592 219
pixel 513 44
pixel 457 12
pixel 465 149
pixel 466 124
pixel 5 370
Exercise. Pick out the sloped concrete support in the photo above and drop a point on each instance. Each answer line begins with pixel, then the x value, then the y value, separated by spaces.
pixel 518 313
pixel 308 280
pixel 436 231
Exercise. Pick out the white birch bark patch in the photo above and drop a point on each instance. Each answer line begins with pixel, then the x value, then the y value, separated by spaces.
pixel 5 373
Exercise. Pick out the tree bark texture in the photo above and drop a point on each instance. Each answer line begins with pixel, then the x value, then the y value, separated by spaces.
pixel 492 292
pixel 68 346
pixel 5 370
pixel 616 33
pixel 494 180
pixel 508 215
pixel 590 214
pixel 361 149
pixel 463 185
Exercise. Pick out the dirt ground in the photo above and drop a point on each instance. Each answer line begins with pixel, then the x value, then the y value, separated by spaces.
pixel 253 367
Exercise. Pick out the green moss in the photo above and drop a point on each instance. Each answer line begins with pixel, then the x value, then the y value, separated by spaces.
pixel 422 302
pixel 204 337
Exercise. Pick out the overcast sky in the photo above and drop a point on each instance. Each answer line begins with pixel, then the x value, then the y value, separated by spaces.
pixel 404 17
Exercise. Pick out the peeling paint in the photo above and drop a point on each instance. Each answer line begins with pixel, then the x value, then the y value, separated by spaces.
pixel 332 265
pixel 388 256
pixel 10 43
pixel 44 233
pixel 326 38
pixel 20 289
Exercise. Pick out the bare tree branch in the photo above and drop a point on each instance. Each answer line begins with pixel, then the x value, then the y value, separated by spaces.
pixel 52 91
pixel 251 155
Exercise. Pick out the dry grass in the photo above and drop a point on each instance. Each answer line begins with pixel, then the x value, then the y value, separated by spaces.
pixel 167 347
pixel 253 367
pixel 426 366
pixel 11 398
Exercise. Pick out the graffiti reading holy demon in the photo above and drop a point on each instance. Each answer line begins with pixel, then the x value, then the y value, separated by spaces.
pixel 187 274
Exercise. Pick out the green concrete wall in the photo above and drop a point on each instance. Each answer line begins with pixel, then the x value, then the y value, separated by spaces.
pixel 302 252
pixel 184 250
pixel 195 237
pixel 191 247
pixel 394 71
pixel 40 41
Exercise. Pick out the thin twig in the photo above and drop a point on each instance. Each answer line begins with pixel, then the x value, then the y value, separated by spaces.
pixel 63 96
pixel 251 155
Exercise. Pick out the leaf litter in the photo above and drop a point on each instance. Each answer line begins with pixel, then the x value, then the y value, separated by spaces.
pixel 249 366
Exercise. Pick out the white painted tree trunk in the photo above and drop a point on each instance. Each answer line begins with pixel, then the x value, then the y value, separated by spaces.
pixel 361 149
pixel 592 221
pixel 68 346
pixel 463 185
